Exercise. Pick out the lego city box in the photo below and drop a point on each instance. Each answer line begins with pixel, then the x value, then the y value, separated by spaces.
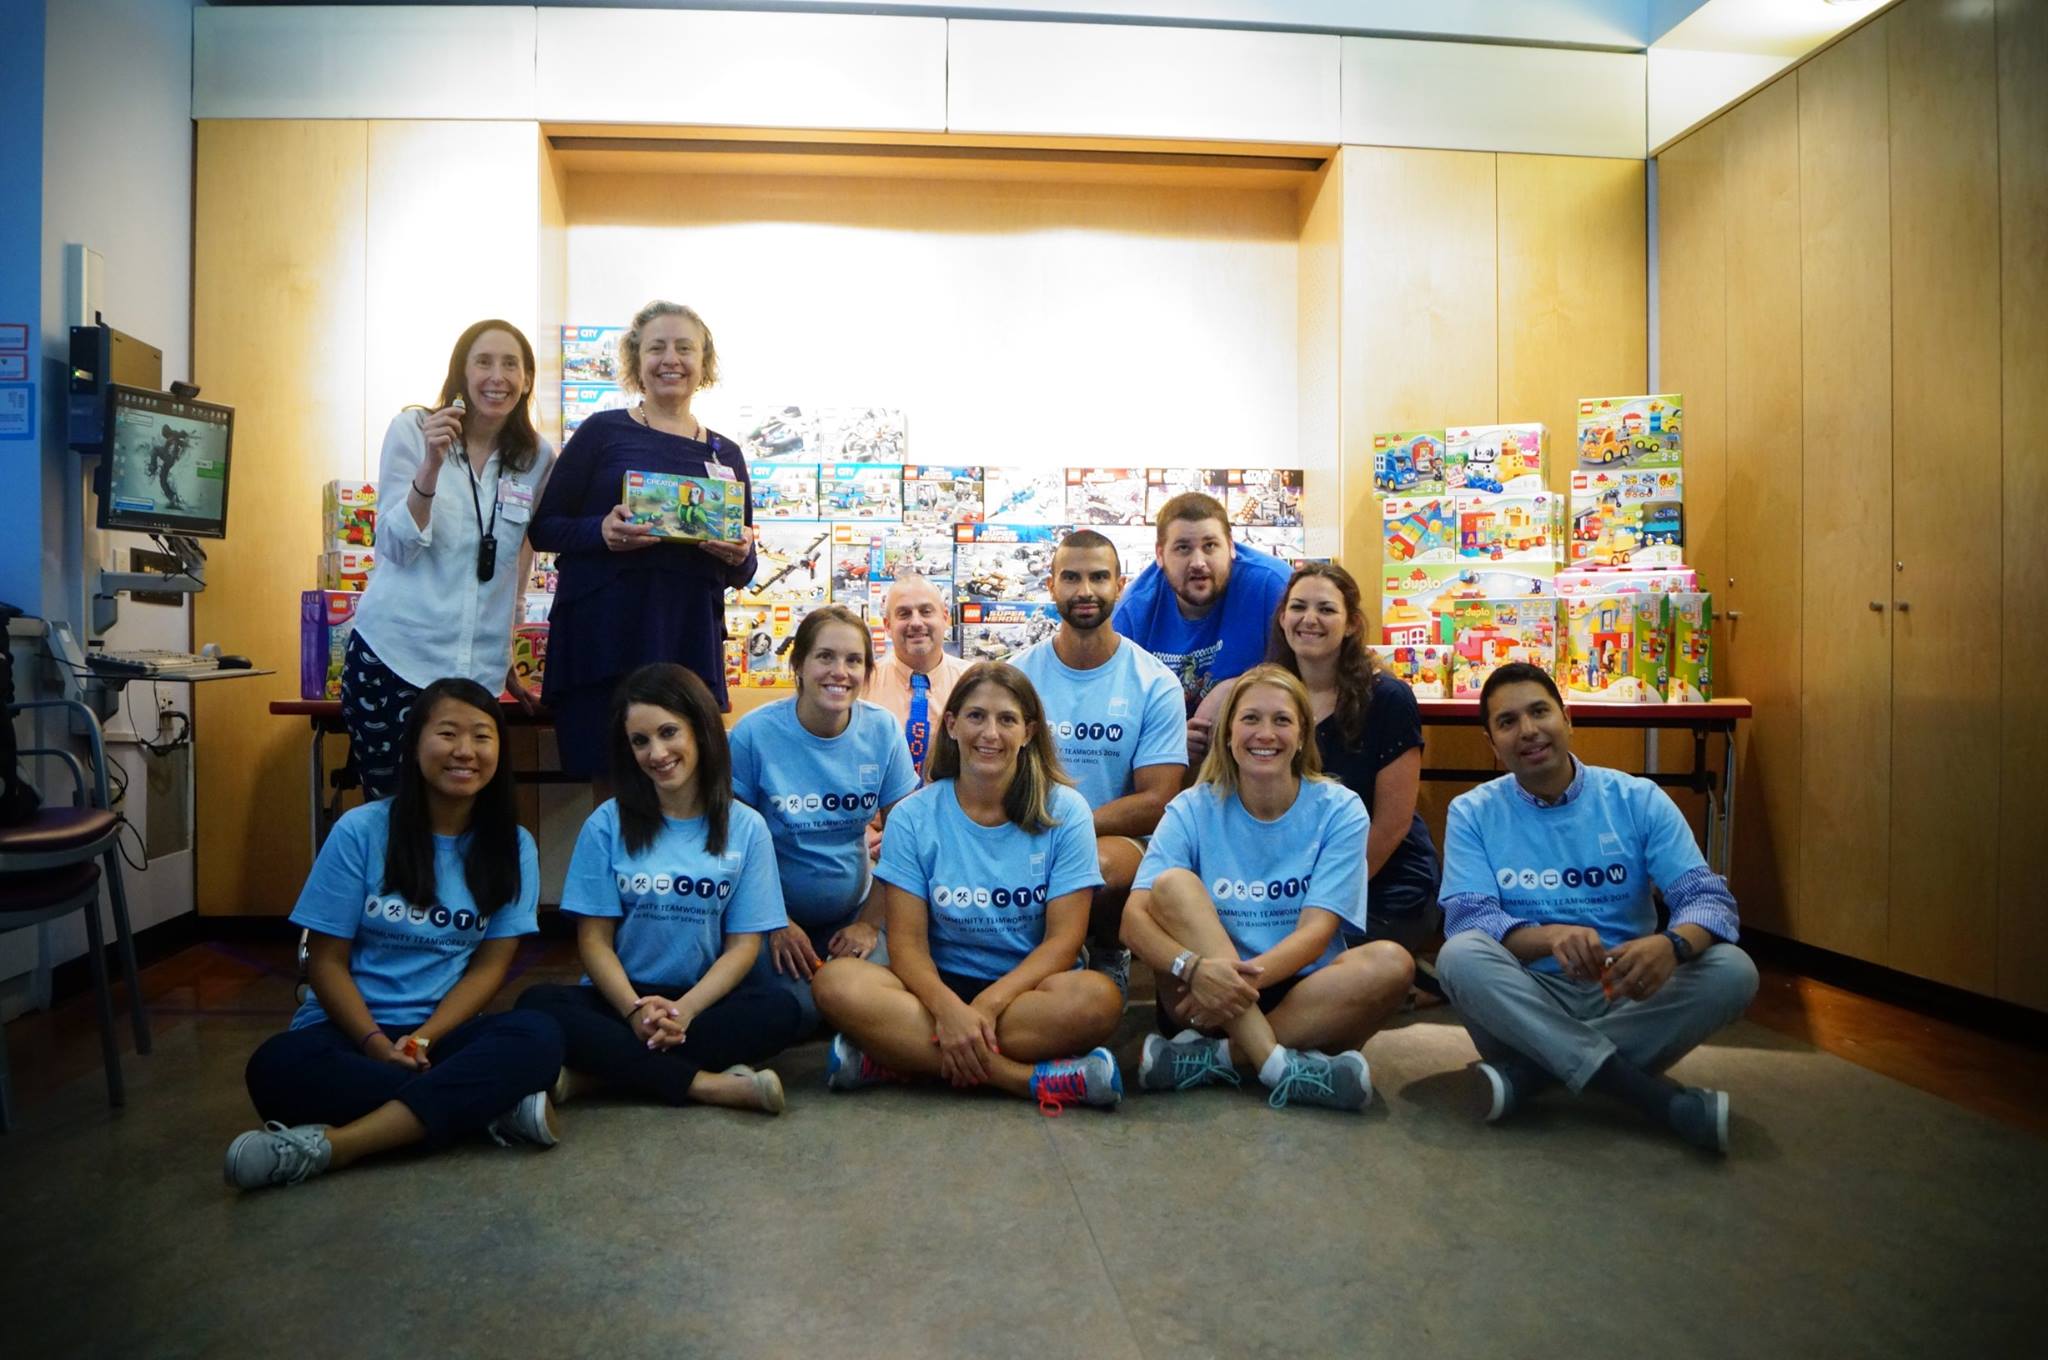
pixel 1498 459
pixel 1408 463
pixel 687 509
pixel 1518 527
pixel 856 560
pixel 785 491
pixel 1599 663
pixel 1488 634
pixel 1418 529
pixel 862 491
pixel 1098 496
pixel 1692 647
pixel 347 569
pixel 941 495
pixel 348 516
pixel 582 400
pixel 921 550
pixel 326 618
pixel 590 354
pixel 1631 432
pixel 1424 669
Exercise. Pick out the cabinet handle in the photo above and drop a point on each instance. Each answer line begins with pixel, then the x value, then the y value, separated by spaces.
pixel 1877 606
pixel 1902 606
pixel 1734 613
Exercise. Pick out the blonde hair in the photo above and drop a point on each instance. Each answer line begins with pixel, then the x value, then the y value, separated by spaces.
pixel 1219 768
pixel 1028 800
pixel 629 344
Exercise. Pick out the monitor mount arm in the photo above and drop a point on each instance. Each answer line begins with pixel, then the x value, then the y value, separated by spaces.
pixel 189 579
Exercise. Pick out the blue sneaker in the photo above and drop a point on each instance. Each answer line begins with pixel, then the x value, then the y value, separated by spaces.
pixel 1311 1078
pixel 276 1155
pixel 849 1069
pixel 1183 1062
pixel 1091 1079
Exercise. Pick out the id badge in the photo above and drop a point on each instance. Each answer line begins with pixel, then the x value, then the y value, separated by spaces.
pixel 714 468
pixel 514 495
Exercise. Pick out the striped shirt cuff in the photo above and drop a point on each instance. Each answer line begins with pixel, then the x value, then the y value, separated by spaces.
pixel 1700 898
pixel 1478 911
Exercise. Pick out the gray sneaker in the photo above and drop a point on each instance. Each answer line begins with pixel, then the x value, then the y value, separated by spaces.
pixel 1114 964
pixel 276 1155
pixel 1699 1115
pixel 1341 1083
pixel 1185 1061
pixel 526 1122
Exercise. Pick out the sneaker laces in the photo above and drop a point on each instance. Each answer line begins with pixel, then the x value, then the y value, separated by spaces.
pixel 1196 1067
pixel 297 1151
pixel 1310 1077
pixel 1057 1090
pixel 870 1070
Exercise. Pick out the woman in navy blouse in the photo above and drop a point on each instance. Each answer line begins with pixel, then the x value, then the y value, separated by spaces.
pixel 625 598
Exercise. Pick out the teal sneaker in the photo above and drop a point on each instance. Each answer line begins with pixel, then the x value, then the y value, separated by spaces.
pixel 276 1155
pixel 1091 1079
pixel 1184 1062
pixel 1311 1078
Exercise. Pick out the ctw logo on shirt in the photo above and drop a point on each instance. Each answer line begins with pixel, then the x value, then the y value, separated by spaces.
pixel 964 897
pixel 682 885
pixel 796 804
pixel 1276 889
pixel 1073 731
pixel 397 909
pixel 1591 876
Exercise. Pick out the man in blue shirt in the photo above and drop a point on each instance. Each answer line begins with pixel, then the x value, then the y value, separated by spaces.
pixel 1553 954
pixel 1116 717
pixel 1205 605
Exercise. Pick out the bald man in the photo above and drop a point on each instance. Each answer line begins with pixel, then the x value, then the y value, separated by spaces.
pixel 917 665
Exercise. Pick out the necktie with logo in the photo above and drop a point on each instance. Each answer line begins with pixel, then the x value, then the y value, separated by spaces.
pixel 918 731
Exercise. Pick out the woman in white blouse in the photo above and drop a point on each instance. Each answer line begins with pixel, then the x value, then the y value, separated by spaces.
pixel 455 488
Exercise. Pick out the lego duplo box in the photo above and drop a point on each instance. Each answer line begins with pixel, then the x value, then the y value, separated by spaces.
pixel 1629 580
pixel 1499 459
pixel 1488 634
pixel 1521 527
pixel 687 509
pixel 1599 664
pixel 348 516
pixel 1692 647
pixel 348 569
pixel 1418 529
pixel 1631 432
pixel 1408 463
pixel 530 654
pixel 1627 517
pixel 1653 646
pixel 1426 670
pixel 1416 598
pixel 326 618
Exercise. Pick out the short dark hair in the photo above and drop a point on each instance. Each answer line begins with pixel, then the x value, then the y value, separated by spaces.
pixel 1088 540
pixel 667 686
pixel 490 862
pixel 1192 507
pixel 1515 673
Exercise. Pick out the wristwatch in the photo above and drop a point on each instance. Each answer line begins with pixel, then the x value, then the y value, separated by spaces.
pixel 1184 964
pixel 1680 946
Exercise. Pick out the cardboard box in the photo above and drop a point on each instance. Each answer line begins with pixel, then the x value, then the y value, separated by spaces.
pixel 862 491
pixel 348 569
pixel 1012 495
pixel 348 516
pixel 1409 463
pixel 1627 517
pixel 1631 432
pixel 1005 563
pixel 326 618
pixel 941 495
pixel 1488 634
pixel 1600 639
pixel 1097 496
pixel 792 566
pixel 1425 669
pixel 1496 459
pixel 686 509
pixel 530 654
pixel 1522 527
pixel 997 632
pixel 1162 484
pixel 1692 647
pixel 785 491
pixel 1268 496
pixel 1418 529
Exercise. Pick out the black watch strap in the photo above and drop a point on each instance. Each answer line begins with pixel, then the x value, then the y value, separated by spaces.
pixel 1681 946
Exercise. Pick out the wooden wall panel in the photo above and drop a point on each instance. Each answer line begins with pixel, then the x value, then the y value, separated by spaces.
pixel 1846 359
pixel 1319 353
pixel 277 332
pixel 2023 215
pixel 1946 457
pixel 1764 495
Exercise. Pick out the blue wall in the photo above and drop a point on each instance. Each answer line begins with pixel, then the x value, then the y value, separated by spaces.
pixel 21 231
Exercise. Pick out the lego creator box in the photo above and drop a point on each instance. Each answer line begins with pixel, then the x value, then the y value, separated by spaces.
pixel 785 491
pixel 997 632
pixel 530 654
pixel 687 509
pixel 1632 432
pixel 1012 495
pixel 1004 563
pixel 1418 529
pixel 1692 647
pixel 1627 517
pixel 1599 663
pixel 1105 496
pixel 792 566
pixel 1510 528
pixel 590 354
pixel 581 401
pixel 862 434
pixel 856 557
pixel 774 433
pixel 941 495
pixel 1162 484
pixel 1488 634
pixel 863 491
pixel 1263 495
pixel 765 633
pixel 1629 580
pixel 348 569
pixel 1495 458
pixel 348 516
pixel 326 618
pixel 1425 670
pixel 1408 463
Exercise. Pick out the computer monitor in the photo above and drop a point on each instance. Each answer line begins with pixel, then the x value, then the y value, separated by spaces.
pixel 166 470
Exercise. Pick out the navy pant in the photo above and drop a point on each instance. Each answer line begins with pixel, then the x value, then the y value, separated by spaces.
pixel 374 705
pixel 480 1069
pixel 749 1024
pixel 764 973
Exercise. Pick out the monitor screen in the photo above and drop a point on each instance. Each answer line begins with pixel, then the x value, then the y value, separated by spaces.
pixel 167 464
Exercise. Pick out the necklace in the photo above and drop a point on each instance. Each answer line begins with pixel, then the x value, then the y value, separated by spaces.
pixel 640 414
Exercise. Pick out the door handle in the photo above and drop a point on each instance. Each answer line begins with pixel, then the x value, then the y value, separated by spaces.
pixel 1902 606
pixel 1733 613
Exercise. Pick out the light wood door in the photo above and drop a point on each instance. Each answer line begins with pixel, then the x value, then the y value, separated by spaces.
pixel 1765 495
pixel 1946 470
pixel 1846 361
pixel 2023 236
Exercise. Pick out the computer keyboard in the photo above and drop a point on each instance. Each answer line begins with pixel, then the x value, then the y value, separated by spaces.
pixel 149 661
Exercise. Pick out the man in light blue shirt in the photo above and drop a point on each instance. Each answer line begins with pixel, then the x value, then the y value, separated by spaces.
pixel 1118 719
pixel 1553 955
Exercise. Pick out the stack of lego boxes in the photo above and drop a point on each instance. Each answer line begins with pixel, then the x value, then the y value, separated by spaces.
pixel 348 539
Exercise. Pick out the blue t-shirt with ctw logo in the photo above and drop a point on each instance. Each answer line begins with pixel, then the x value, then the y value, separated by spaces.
pixel 403 957
pixel 1263 875
pixel 1111 721
pixel 1590 861
pixel 986 887
pixel 678 900
pixel 818 795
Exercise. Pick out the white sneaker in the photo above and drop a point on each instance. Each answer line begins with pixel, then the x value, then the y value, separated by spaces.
pixel 276 1155
pixel 530 1121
